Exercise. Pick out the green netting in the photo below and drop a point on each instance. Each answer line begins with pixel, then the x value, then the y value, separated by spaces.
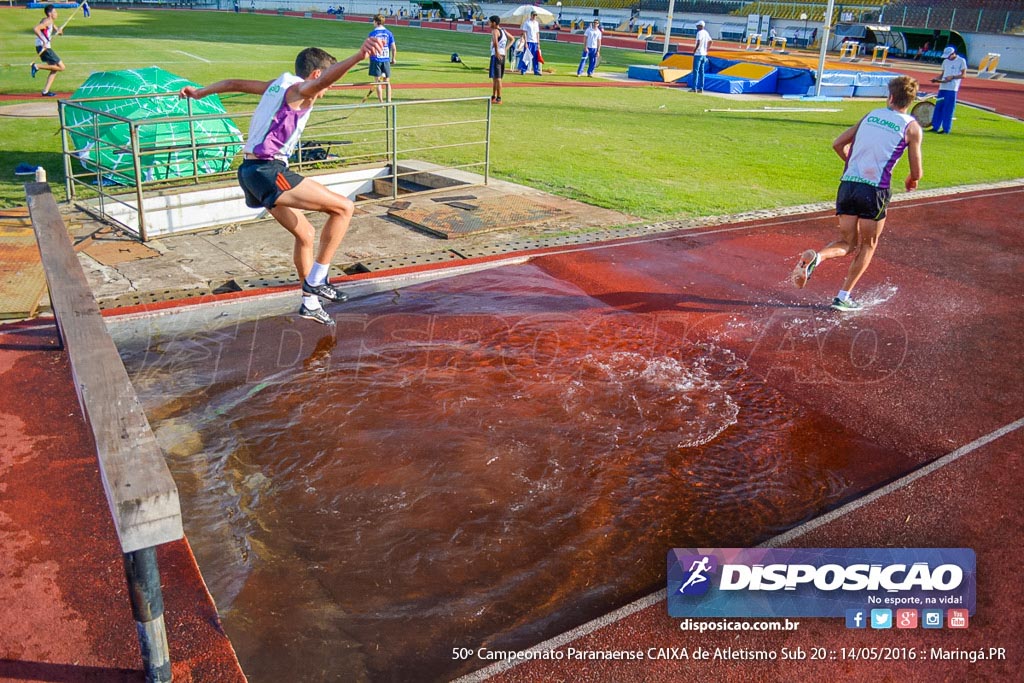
pixel 104 144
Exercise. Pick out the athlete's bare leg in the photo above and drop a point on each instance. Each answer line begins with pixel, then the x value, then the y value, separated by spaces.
pixel 382 87
pixel 310 195
pixel 54 69
pixel 867 240
pixel 298 225
pixel 847 242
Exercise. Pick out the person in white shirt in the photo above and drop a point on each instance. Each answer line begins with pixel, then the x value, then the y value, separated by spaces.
pixel 266 181
pixel 531 31
pixel 499 48
pixel 591 48
pixel 954 69
pixel 870 151
pixel 700 58
pixel 45 30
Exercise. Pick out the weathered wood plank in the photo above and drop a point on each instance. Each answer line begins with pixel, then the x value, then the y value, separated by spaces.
pixel 142 495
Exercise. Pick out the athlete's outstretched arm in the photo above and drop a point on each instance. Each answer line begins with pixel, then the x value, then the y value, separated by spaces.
pixel 309 88
pixel 228 85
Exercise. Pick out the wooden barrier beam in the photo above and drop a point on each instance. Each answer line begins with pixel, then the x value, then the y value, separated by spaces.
pixel 142 496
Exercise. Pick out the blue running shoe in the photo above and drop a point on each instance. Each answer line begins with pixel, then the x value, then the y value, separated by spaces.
pixel 35 69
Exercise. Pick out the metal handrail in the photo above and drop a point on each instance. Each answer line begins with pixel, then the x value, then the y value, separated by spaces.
pixel 332 128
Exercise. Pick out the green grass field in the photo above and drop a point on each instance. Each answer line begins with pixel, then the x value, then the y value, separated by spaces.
pixel 649 151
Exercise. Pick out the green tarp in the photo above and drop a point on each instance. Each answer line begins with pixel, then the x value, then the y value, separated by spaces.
pixel 148 97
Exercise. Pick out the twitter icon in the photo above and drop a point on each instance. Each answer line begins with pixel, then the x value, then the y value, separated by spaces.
pixel 881 618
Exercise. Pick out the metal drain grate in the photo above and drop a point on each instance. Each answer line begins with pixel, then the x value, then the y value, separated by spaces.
pixel 404 261
pixel 155 297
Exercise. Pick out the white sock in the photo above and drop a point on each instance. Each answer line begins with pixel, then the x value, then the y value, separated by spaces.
pixel 312 302
pixel 843 295
pixel 318 274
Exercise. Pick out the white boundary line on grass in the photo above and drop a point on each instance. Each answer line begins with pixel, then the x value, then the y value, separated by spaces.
pixel 776 541
pixel 189 54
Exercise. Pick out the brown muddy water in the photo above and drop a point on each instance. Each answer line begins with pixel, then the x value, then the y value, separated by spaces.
pixel 486 460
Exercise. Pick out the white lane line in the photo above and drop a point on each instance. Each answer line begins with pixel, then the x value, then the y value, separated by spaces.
pixel 934 466
pixel 189 54
pixel 777 541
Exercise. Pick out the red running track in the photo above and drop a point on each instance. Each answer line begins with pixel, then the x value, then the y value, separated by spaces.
pixel 931 366
pixel 65 612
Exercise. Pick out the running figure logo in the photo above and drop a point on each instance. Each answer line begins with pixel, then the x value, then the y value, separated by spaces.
pixel 699 568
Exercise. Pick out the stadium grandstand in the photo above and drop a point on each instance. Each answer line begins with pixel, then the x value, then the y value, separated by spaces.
pixel 970 16
pixel 978 16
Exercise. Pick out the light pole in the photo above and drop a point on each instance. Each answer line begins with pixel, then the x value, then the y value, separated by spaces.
pixel 668 27
pixel 825 29
pixel 559 6
pixel 803 17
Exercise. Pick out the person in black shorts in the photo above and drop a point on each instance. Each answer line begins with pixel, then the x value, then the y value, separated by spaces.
pixel 499 48
pixel 380 66
pixel 45 31
pixel 274 132
pixel 870 151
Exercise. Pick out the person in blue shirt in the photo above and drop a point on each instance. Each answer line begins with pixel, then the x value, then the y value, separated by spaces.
pixel 380 64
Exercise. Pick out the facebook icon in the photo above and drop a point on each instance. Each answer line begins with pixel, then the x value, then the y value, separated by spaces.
pixel 856 618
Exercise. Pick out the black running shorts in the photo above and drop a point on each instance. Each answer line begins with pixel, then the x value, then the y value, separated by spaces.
pixel 862 200
pixel 264 180
pixel 50 57
pixel 497 69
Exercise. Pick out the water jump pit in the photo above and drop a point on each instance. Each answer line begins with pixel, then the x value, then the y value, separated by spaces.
pixel 489 459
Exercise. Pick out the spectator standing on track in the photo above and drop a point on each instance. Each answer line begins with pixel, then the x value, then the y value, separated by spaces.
pixel 277 124
pixel 531 32
pixel 380 65
pixel 954 69
pixel 702 42
pixel 591 48
pixel 499 51
pixel 870 150
pixel 45 31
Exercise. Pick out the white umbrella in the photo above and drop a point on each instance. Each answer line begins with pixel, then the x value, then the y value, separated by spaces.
pixel 520 14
